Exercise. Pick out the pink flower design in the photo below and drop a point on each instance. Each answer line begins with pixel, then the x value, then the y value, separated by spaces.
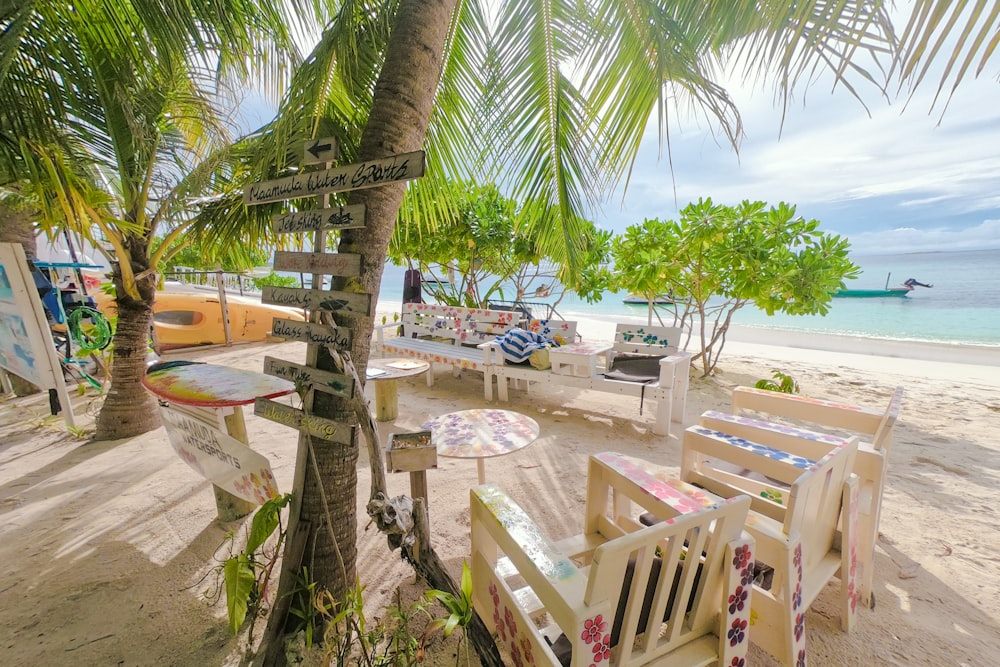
pixel 526 647
pixel 737 600
pixel 602 649
pixel 592 629
pixel 737 632
pixel 800 626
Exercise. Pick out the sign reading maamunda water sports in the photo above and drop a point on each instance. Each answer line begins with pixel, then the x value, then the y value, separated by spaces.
pixel 368 174
pixel 220 458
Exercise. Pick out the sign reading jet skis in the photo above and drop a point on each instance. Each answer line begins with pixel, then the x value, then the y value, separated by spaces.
pixel 368 174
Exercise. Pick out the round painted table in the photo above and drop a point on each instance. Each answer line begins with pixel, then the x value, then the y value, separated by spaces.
pixel 384 373
pixel 481 434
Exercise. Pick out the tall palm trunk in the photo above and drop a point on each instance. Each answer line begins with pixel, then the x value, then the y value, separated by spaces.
pixel 404 97
pixel 129 409
pixel 16 227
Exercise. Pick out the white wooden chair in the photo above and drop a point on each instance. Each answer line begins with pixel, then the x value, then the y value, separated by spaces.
pixel 797 502
pixel 602 589
pixel 875 430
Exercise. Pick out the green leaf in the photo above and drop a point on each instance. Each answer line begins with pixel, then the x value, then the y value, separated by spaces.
pixel 239 583
pixel 265 521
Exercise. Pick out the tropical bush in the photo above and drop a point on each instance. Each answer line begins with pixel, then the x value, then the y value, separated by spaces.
pixel 716 259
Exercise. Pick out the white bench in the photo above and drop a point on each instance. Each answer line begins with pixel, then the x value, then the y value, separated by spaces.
pixel 669 391
pixel 446 335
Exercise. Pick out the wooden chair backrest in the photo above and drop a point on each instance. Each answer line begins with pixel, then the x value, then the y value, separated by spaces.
pixel 875 426
pixel 465 326
pixel 808 497
pixel 635 339
pixel 699 525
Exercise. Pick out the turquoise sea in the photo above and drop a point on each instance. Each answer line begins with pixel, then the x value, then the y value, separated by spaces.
pixel 963 307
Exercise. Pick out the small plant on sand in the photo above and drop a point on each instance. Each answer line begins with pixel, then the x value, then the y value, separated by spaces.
pixel 396 640
pixel 246 574
pixel 780 382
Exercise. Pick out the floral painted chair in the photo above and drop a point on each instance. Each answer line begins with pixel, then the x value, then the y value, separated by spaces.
pixel 801 487
pixel 620 593
pixel 874 427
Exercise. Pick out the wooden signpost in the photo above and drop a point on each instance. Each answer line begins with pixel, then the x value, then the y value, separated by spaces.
pixel 324 429
pixel 320 220
pixel 368 174
pixel 333 383
pixel 320 150
pixel 317 299
pixel 333 264
pixel 314 334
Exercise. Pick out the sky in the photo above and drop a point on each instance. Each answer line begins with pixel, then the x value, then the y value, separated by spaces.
pixel 905 178
pixel 899 176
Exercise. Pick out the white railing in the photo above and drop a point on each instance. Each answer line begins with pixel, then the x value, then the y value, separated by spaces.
pixel 237 283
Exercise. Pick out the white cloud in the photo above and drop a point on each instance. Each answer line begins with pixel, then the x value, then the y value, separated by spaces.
pixel 983 236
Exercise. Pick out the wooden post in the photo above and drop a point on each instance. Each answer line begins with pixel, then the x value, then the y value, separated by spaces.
pixel 228 506
pixel 386 400
pixel 220 283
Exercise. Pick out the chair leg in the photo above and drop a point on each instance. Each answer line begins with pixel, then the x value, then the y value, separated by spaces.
pixel 733 639
pixel 795 624
pixel 849 555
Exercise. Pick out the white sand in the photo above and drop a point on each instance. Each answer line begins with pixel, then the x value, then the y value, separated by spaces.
pixel 105 545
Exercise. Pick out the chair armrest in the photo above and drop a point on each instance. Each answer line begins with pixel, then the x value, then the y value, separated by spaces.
pixel 378 328
pixel 792 439
pixel 492 353
pixel 555 579
pixel 643 482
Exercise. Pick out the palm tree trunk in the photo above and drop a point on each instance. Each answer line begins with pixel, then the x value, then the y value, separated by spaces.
pixel 404 97
pixel 129 409
pixel 16 227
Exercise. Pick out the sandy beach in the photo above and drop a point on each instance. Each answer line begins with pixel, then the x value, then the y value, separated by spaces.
pixel 106 545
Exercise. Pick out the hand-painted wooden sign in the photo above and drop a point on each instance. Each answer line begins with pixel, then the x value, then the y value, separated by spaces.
pixel 324 429
pixel 320 219
pixel 220 458
pixel 333 383
pixel 320 150
pixel 316 299
pixel 358 176
pixel 314 334
pixel 330 264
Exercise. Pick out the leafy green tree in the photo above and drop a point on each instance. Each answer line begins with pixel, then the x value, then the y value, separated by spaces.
pixel 481 252
pixel 717 259
pixel 117 102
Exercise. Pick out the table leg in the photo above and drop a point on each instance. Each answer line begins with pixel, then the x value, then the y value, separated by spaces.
pixel 386 400
pixel 481 469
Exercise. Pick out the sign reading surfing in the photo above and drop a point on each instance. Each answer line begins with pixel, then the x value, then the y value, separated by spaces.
pixel 350 177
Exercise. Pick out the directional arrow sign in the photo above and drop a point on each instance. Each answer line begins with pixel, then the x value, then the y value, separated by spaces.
pixel 368 174
pixel 324 429
pixel 317 299
pixel 322 219
pixel 333 383
pixel 330 264
pixel 320 150
pixel 307 332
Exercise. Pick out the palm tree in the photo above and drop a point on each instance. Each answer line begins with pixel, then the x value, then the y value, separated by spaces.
pixel 117 99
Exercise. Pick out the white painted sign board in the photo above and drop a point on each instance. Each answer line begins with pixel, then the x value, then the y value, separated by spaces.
pixel 320 150
pixel 26 346
pixel 219 457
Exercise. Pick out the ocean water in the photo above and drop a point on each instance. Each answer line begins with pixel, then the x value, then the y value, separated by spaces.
pixel 963 307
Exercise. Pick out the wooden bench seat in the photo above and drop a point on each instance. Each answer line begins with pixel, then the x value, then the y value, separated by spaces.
pixel 445 335
pixel 668 391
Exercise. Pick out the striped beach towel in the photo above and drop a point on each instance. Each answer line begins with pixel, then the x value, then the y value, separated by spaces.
pixel 518 344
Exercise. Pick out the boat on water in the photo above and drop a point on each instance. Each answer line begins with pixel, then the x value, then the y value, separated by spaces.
pixel 639 300
pixel 190 318
pixel 891 292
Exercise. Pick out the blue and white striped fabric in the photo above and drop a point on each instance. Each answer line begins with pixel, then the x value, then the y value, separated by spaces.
pixel 518 344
